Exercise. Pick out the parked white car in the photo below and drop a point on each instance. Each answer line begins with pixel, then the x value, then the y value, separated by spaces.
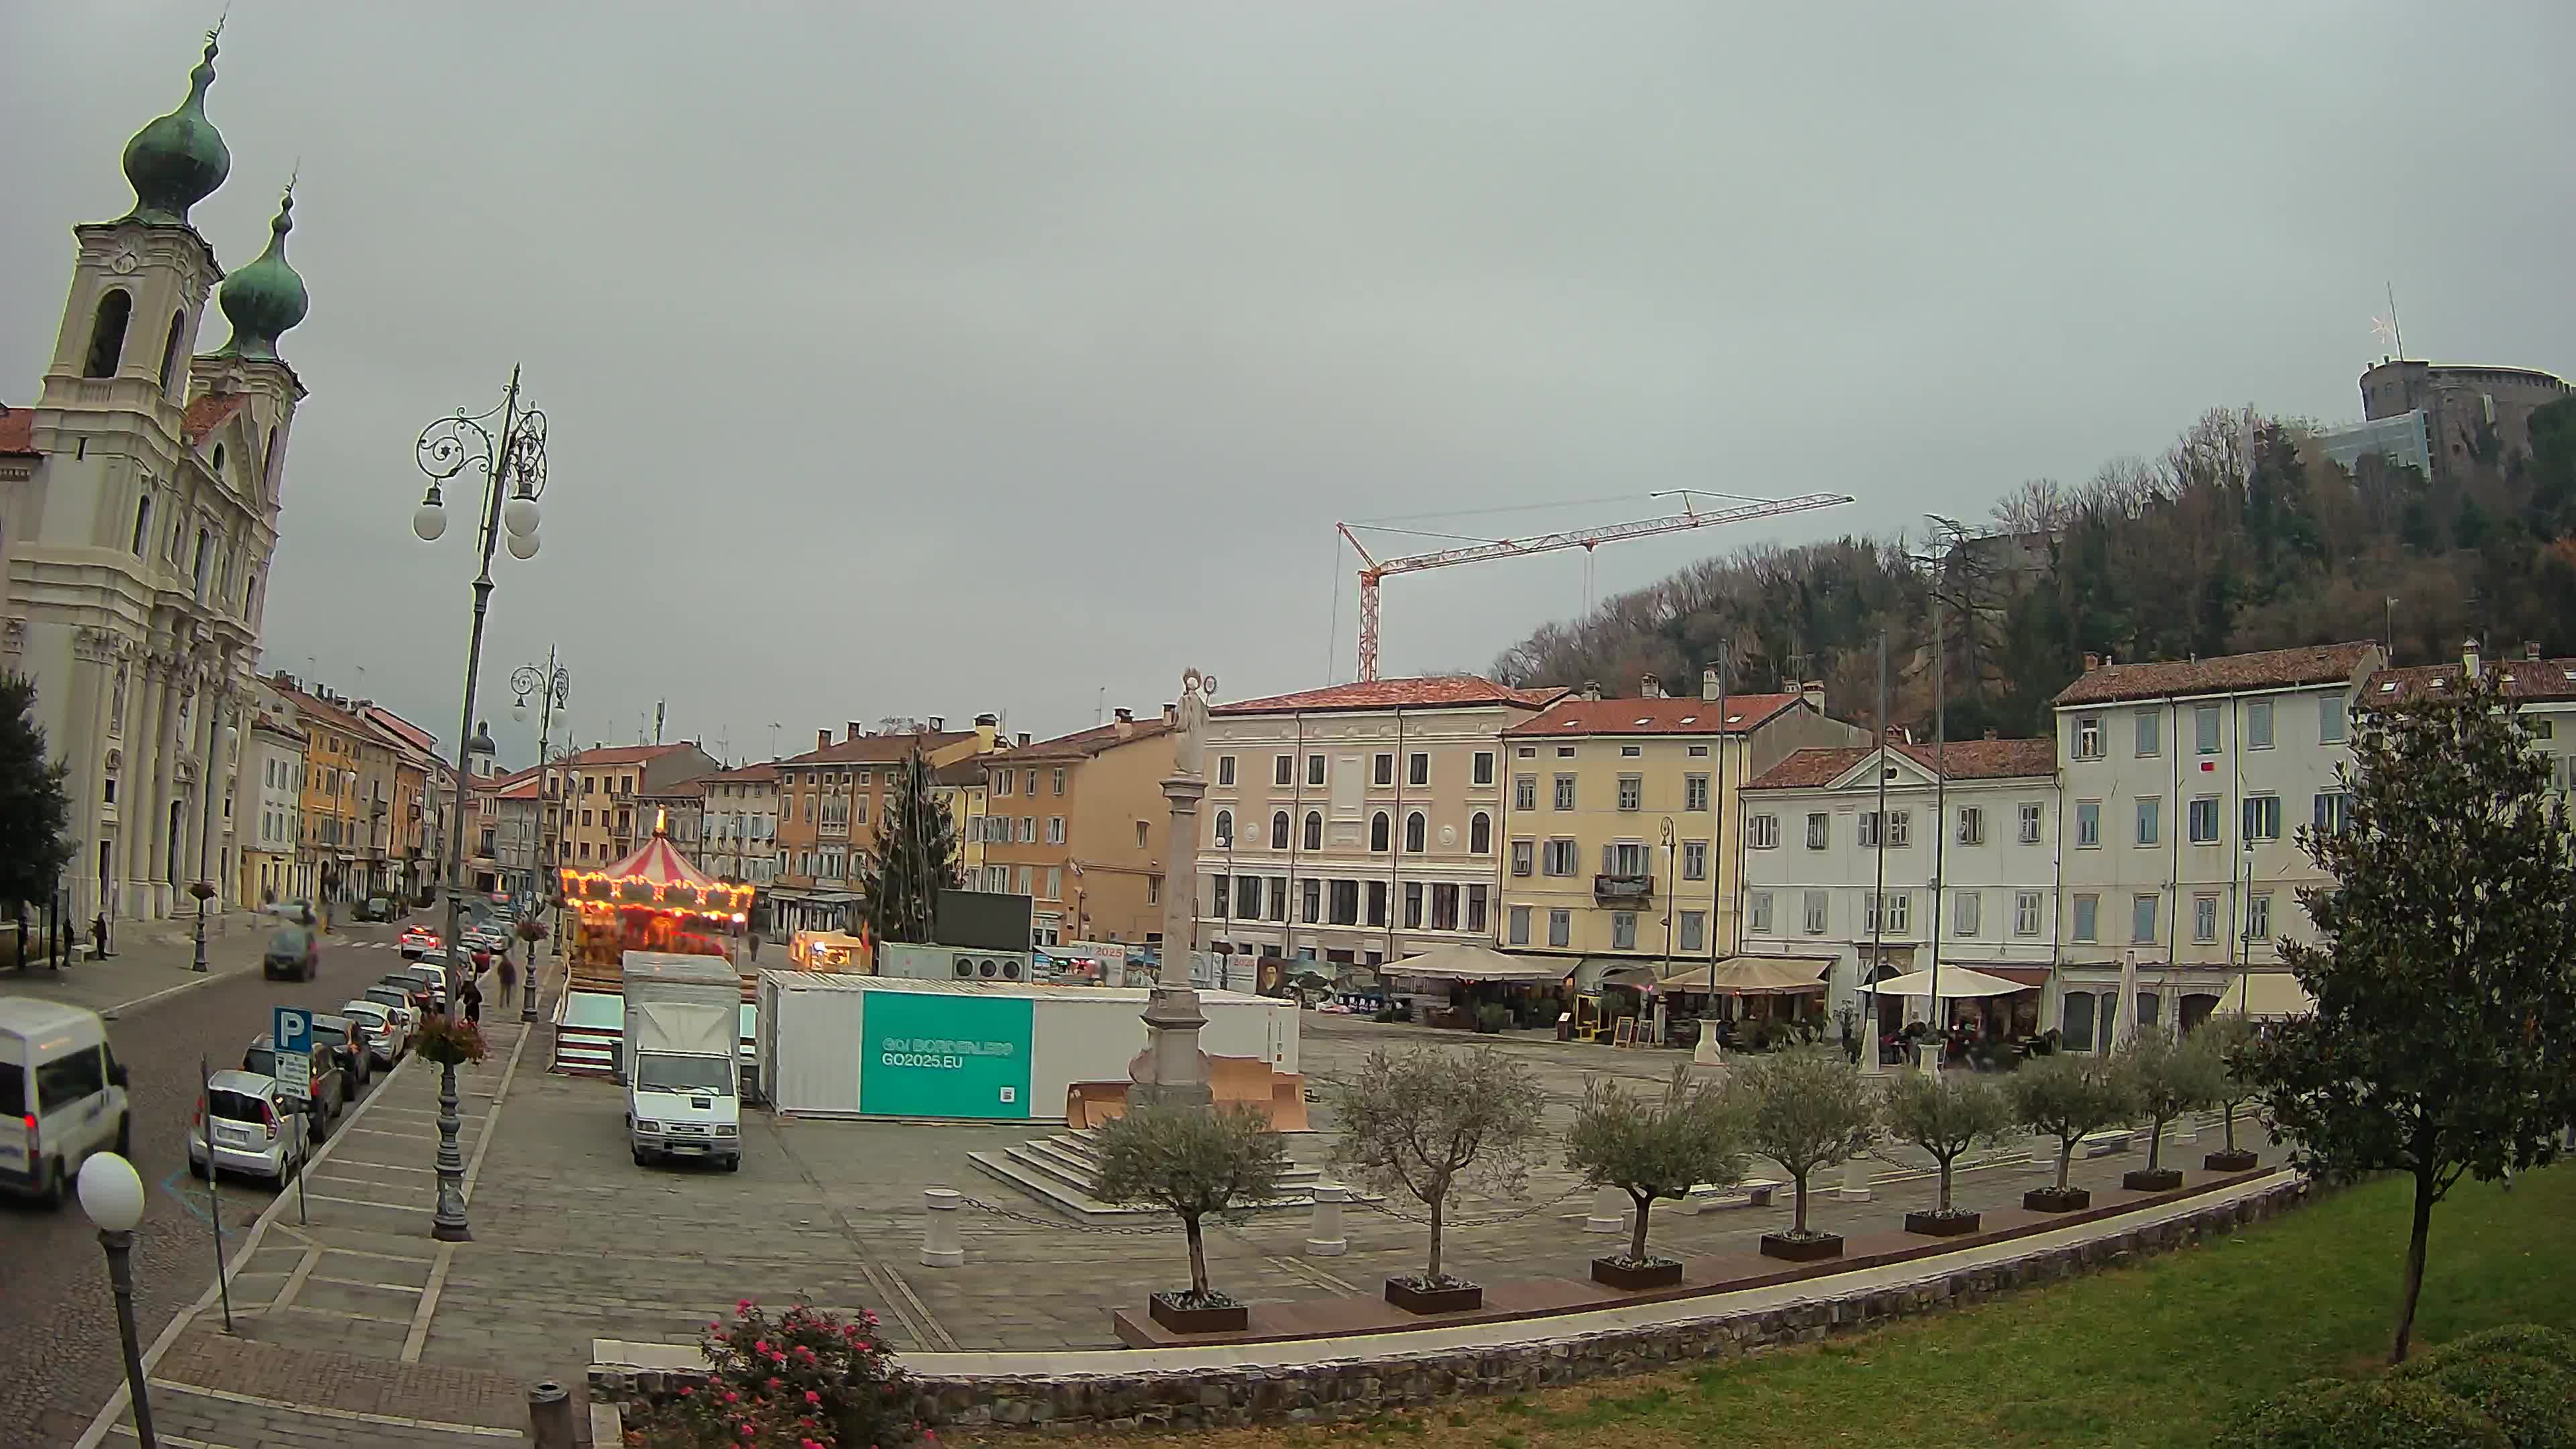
pixel 62 1096
pixel 386 1038
pixel 252 1132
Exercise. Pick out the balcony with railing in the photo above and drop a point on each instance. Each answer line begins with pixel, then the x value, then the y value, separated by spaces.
pixel 1623 887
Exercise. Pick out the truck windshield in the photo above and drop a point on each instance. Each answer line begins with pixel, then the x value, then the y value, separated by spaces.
pixel 655 1073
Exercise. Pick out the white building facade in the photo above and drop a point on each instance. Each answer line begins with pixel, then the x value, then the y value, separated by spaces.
pixel 741 823
pixel 1308 846
pixel 1962 864
pixel 273 806
pixel 2184 785
pixel 139 540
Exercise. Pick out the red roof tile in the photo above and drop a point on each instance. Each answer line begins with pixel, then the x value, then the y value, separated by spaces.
pixel 620 755
pixel 759 774
pixel 1572 716
pixel 17 433
pixel 1452 690
pixel 2534 679
pixel 1083 744
pixel 209 413
pixel 879 749
pixel 2226 674
pixel 1959 760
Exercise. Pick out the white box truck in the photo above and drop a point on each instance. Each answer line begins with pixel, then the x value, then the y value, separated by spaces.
pixel 678 1058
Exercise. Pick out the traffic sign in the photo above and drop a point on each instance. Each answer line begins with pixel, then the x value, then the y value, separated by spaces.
pixel 291 1033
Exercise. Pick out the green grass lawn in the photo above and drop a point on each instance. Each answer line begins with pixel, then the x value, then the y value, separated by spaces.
pixel 2152 1355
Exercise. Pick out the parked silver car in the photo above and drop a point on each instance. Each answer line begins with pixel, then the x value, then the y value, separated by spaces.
pixel 251 1132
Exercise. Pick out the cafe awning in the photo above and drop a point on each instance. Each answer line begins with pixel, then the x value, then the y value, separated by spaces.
pixel 1750 976
pixel 1466 962
pixel 2266 993
pixel 1957 982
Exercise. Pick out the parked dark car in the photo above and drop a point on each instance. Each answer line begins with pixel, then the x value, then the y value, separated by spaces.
pixel 322 1091
pixel 423 992
pixel 344 1043
pixel 377 908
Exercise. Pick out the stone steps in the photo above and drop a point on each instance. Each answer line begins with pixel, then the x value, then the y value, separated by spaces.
pixel 1063 1172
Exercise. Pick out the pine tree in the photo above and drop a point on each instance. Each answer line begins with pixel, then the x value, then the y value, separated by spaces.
pixel 34 812
pixel 2438 1045
pixel 913 859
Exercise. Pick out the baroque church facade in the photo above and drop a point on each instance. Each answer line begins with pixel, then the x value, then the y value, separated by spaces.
pixel 140 521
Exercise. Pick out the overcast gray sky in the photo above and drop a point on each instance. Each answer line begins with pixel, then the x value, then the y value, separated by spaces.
pixel 926 359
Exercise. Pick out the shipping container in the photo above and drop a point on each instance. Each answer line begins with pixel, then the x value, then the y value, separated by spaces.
pixel 876 1046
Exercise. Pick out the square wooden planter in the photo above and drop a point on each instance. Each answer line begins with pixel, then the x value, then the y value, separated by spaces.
pixel 1457 1298
pixel 2050 1200
pixel 2237 1161
pixel 1230 1318
pixel 2160 1179
pixel 1802 1250
pixel 1942 1225
pixel 1656 1273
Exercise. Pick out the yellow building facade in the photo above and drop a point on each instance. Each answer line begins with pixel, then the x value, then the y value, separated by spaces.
pixel 1621 823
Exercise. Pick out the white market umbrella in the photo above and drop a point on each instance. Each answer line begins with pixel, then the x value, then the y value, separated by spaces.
pixel 1469 962
pixel 1957 983
pixel 2125 1013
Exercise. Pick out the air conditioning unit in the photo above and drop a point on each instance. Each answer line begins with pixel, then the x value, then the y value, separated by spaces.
pixel 951 963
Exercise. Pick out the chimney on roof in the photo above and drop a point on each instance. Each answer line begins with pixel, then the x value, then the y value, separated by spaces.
pixel 2531 649
pixel 939 724
pixel 1022 739
pixel 852 730
pixel 2469 656
pixel 988 719
pixel 1709 688
pixel 2092 661
pixel 1813 691
pixel 822 739
pixel 1649 687
pixel 1125 724
pixel 1592 690
pixel 1990 733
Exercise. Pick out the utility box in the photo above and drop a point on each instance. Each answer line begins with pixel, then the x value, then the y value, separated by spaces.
pixel 952 963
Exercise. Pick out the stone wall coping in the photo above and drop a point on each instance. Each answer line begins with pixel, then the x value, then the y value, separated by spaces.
pixel 1291 1354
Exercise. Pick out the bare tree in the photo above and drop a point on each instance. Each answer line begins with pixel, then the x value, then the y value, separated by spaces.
pixel 1428 1122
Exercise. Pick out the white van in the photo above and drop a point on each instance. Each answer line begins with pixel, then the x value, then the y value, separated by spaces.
pixel 62 1096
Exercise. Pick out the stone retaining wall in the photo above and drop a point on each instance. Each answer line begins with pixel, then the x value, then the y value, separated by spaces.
pixel 1350 1387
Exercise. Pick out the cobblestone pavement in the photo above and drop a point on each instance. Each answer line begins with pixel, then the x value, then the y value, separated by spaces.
pixel 573 1242
pixel 60 1357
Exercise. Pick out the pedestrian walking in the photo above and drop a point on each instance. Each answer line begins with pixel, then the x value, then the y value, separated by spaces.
pixel 473 1001
pixel 98 932
pixel 509 980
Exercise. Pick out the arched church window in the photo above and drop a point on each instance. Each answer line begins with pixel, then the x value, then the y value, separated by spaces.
pixel 205 552
pixel 170 352
pixel 219 461
pixel 107 334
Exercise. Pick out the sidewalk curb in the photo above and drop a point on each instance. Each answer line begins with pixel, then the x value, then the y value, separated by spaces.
pixel 111 1013
pixel 103 1423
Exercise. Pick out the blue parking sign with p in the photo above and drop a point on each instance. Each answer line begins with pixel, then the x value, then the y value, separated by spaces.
pixel 291 1030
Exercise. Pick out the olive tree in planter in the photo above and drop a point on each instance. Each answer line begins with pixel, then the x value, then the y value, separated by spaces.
pixel 2066 1097
pixel 2229 1038
pixel 1653 1148
pixel 1426 1123
pixel 1807 1109
pixel 1192 1163
pixel 2165 1078
pixel 1946 1116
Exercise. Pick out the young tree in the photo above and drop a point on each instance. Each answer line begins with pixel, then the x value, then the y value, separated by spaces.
pixel 1655 1148
pixel 913 859
pixel 1806 1110
pixel 1431 1121
pixel 2230 1039
pixel 2444 1003
pixel 33 809
pixel 2066 1097
pixel 1192 1163
pixel 1946 1116
pixel 2166 1078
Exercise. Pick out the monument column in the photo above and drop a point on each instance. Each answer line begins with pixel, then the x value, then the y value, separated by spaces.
pixel 1171 1072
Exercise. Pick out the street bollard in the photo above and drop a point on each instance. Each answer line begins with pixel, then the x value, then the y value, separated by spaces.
pixel 1856 1175
pixel 1325 1237
pixel 1609 1211
pixel 940 1245
pixel 550 1416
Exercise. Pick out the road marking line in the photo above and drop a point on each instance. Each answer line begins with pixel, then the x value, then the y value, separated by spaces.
pixel 367 1253
pixel 325 1411
pixel 364 1202
pixel 341 1313
pixel 428 1305
pixel 173 1439
pixel 295 1281
pixel 356 1283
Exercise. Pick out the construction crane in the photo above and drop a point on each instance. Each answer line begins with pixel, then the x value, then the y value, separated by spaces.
pixel 1374 570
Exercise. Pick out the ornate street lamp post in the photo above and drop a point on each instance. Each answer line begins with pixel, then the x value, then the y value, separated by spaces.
pixel 553 684
pixel 112 1195
pixel 219 742
pixel 513 464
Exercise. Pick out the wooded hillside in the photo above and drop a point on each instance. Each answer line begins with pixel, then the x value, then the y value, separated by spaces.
pixel 2242 535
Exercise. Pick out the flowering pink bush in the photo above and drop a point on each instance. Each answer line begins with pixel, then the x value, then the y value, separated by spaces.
pixel 798 1379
